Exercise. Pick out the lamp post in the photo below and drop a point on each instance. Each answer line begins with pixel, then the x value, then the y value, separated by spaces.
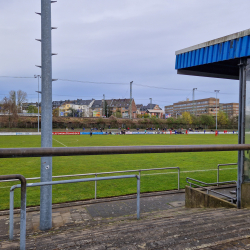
pixel 193 101
pixel 216 91
pixel 38 92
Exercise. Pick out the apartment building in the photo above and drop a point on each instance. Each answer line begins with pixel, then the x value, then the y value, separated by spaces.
pixel 197 107
pixel 231 109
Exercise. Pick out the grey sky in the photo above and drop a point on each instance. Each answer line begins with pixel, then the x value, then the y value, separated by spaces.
pixel 117 42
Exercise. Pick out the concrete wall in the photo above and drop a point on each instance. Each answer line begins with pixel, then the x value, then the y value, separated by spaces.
pixel 245 195
pixel 195 198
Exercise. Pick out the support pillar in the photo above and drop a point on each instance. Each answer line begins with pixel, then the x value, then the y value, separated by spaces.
pixel 241 127
pixel 244 157
pixel 46 115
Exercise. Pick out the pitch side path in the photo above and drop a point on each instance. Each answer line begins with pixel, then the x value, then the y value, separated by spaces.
pixel 112 224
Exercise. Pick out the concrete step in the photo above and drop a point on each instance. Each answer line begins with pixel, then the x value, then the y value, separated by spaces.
pixel 170 229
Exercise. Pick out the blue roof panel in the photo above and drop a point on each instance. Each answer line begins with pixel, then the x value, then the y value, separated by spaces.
pixel 232 49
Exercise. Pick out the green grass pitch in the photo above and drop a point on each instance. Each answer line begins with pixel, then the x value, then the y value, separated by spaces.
pixel 189 164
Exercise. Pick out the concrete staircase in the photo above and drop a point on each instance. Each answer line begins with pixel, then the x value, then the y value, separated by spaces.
pixel 175 229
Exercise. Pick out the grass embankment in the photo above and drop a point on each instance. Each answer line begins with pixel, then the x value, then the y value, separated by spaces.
pixel 30 167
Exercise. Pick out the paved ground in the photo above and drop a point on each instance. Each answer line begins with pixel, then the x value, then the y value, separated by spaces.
pixel 112 224
pixel 83 212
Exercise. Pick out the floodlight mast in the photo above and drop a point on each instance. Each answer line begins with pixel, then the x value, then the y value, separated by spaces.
pixel 130 102
pixel 216 91
pixel 46 114
pixel 39 92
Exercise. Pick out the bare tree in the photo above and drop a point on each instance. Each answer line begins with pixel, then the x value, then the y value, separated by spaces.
pixel 21 98
pixel 12 104
pixel 12 96
pixel 6 104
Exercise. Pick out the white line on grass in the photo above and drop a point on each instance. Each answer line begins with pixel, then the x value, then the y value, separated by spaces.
pixel 60 142
pixel 192 171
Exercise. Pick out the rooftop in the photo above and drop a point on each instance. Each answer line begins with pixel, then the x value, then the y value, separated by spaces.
pixel 218 58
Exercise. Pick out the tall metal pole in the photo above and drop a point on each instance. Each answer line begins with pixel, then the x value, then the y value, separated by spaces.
pixel 193 98
pixel 216 91
pixel 38 92
pixel 46 122
pixel 130 106
pixel 103 112
pixel 38 106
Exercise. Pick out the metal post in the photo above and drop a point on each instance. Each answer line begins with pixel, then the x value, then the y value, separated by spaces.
pixel 38 106
pixel 38 92
pixel 138 197
pixel 241 127
pixel 193 98
pixel 23 215
pixel 95 186
pixel 216 91
pixel 46 122
pixel 130 106
pixel 11 225
pixel 178 178
pixel 218 174
pixel 23 207
pixel 23 195
pixel 103 112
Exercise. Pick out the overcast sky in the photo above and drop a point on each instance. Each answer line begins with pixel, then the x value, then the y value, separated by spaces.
pixel 116 41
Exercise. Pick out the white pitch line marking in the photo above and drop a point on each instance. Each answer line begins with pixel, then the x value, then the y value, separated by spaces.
pixel 60 142
pixel 191 171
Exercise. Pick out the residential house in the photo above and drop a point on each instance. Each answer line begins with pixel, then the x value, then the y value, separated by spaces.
pixel 97 109
pixel 152 110
pixel 138 108
pixel 159 113
pixel 82 107
pixel 114 105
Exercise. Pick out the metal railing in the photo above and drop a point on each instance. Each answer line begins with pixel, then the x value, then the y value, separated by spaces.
pixel 232 199
pixel 218 169
pixel 23 218
pixel 23 206
pixel 57 151
pixel 102 173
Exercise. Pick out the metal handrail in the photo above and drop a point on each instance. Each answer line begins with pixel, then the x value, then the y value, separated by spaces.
pixel 101 173
pixel 23 206
pixel 211 184
pixel 57 151
pixel 12 189
pixel 218 169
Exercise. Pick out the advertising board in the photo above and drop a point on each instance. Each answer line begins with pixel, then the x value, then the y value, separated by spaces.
pixel 65 133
